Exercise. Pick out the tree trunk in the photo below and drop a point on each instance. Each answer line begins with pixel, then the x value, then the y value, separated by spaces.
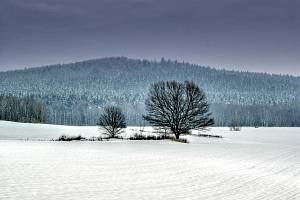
pixel 177 135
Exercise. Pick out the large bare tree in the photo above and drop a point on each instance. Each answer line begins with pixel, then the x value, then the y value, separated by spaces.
pixel 112 120
pixel 177 106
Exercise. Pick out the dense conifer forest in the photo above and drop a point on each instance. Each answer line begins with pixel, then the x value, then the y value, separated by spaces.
pixel 76 93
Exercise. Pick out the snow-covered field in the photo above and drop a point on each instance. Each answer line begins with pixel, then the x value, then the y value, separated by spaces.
pixel 261 163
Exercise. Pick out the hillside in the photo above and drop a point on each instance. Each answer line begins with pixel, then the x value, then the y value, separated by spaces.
pixel 75 93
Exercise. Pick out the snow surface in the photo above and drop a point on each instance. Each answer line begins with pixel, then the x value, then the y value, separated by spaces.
pixel 261 163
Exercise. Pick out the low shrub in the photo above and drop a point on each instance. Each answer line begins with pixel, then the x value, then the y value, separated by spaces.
pixel 236 128
pixel 115 137
pixel 139 136
pixel 70 138
pixel 182 140
pixel 95 138
pixel 209 136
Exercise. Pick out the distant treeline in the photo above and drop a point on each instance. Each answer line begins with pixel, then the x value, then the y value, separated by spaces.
pixel 278 115
pixel 22 109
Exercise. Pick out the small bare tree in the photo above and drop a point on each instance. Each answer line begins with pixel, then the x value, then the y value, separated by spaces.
pixel 178 106
pixel 235 125
pixel 113 121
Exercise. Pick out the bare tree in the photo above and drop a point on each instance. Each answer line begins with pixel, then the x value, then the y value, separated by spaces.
pixel 178 106
pixel 113 121
pixel 235 125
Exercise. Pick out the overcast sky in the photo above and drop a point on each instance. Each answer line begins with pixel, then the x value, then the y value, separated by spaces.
pixel 253 35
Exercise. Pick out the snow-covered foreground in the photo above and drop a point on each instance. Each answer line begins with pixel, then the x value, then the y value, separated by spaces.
pixel 261 163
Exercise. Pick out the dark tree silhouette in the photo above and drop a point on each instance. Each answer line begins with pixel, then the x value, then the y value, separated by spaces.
pixel 112 120
pixel 177 106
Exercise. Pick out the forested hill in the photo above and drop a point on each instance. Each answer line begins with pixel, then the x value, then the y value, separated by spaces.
pixel 75 93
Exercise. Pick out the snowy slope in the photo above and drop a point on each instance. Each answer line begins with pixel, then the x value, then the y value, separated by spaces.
pixel 261 163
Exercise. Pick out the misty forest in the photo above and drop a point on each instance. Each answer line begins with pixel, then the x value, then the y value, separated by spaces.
pixel 76 93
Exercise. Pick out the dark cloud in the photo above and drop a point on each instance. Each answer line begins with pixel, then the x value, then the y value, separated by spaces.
pixel 254 35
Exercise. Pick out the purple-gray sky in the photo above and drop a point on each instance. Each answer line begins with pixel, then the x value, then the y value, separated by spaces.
pixel 253 35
